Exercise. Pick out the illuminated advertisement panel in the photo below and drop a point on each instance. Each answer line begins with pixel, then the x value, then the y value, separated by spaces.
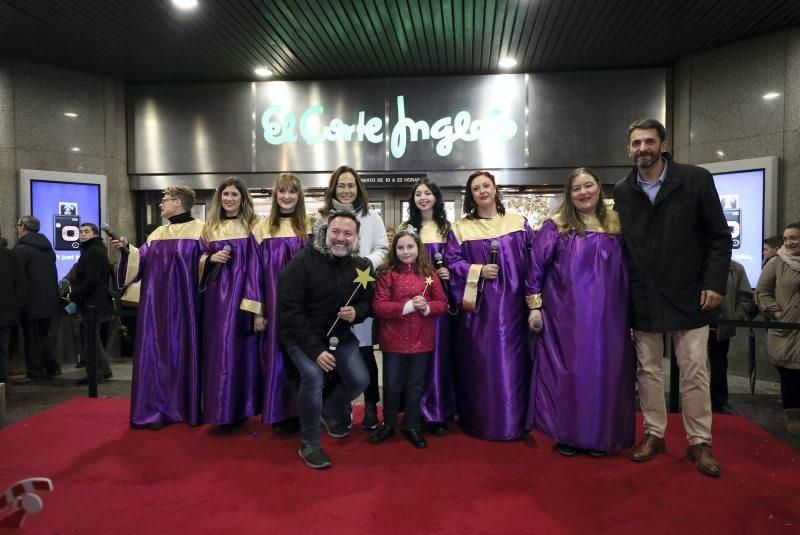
pixel 746 191
pixel 62 202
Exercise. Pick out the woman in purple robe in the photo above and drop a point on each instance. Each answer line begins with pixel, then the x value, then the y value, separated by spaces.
pixel 166 361
pixel 231 378
pixel 583 377
pixel 488 253
pixel 426 212
pixel 279 238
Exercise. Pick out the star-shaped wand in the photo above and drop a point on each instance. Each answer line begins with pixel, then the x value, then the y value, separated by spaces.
pixel 428 282
pixel 363 278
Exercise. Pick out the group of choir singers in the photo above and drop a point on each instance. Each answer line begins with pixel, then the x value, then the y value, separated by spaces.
pixel 208 349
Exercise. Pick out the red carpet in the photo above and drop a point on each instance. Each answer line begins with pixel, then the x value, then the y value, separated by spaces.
pixel 109 478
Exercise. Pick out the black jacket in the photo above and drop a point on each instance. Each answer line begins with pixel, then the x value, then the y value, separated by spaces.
pixel 91 276
pixel 676 247
pixel 311 289
pixel 12 288
pixel 38 261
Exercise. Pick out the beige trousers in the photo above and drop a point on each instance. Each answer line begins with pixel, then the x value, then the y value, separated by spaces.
pixel 691 350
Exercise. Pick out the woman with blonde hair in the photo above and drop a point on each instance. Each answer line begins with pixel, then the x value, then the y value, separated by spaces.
pixel 583 371
pixel 231 375
pixel 279 238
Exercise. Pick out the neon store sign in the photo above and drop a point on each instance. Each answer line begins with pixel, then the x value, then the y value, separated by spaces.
pixel 283 127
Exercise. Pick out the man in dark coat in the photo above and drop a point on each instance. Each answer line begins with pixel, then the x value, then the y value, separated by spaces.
pixel 679 248
pixel 12 297
pixel 312 289
pixel 35 253
pixel 89 287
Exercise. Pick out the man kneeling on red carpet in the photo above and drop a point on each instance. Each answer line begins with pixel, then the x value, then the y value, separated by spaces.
pixel 312 289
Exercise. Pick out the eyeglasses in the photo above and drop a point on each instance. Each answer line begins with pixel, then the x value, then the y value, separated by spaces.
pixel 342 185
pixel 167 199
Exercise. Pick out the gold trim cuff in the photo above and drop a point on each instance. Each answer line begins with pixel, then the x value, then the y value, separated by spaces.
pixel 253 307
pixel 534 301
pixel 471 289
pixel 132 265
pixel 130 296
pixel 201 267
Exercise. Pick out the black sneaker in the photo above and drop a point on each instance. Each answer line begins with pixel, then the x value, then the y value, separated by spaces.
pixel 566 451
pixel 384 432
pixel 370 417
pixel 334 428
pixel 416 440
pixel 597 454
pixel 314 457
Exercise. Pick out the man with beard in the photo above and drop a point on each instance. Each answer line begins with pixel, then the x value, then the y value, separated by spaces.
pixel 312 291
pixel 679 251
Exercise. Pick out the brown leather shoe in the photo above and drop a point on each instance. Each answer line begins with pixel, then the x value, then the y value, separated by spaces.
pixel 700 455
pixel 648 448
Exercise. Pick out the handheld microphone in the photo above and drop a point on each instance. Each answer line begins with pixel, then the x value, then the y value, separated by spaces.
pixel 495 246
pixel 332 344
pixel 217 267
pixel 493 255
pixel 438 261
pixel 105 227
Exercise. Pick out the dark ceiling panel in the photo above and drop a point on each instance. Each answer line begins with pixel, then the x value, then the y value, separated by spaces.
pixel 225 40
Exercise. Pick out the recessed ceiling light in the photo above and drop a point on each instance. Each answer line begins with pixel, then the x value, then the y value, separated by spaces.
pixel 263 72
pixel 70 114
pixel 770 96
pixel 507 63
pixel 185 4
pixel 75 149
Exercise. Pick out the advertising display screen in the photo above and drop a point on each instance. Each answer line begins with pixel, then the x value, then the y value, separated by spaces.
pixel 62 207
pixel 742 196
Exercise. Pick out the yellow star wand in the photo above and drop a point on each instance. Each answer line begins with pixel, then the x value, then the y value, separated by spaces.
pixel 363 278
pixel 428 282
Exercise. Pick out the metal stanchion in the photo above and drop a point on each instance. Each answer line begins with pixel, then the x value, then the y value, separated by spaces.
pixel 89 320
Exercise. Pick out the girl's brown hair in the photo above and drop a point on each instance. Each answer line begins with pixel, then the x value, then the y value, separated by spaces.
pixel 422 266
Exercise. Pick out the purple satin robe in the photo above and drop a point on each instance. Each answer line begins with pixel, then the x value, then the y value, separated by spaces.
pixel 438 397
pixel 493 355
pixel 166 365
pixel 584 369
pixel 231 376
pixel 279 400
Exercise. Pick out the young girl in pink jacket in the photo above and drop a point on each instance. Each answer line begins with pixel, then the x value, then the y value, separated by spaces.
pixel 408 296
